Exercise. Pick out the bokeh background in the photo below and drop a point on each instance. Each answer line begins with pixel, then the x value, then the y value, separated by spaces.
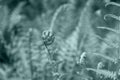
pixel 59 40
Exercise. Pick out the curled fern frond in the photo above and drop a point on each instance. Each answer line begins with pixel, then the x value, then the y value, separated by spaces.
pixel 112 3
pixel 105 73
pixel 112 16
pixel 110 29
pixel 48 37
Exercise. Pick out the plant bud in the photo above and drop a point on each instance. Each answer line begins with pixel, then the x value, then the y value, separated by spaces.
pixel 48 37
pixel 100 65
pixel 83 58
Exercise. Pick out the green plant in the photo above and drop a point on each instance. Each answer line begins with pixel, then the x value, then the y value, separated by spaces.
pixel 59 45
pixel 114 75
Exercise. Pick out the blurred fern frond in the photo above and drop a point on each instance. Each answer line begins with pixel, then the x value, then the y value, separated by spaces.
pixel 105 73
pixel 109 29
pixel 112 3
pixel 107 42
pixel 106 57
pixel 56 14
pixel 112 16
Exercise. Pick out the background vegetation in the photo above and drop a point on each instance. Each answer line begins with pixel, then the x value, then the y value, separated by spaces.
pixel 59 40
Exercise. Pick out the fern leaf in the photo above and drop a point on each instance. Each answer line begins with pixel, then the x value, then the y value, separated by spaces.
pixel 110 29
pixel 112 3
pixel 105 73
pixel 106 57
pixel 107 42
pixel 112 16
pixel 15 17
pixel 56 14
pixel 81 30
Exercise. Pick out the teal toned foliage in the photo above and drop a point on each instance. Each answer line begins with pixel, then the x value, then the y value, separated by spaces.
pixel 59 40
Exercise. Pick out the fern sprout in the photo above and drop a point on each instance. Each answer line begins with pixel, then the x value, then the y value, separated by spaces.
pixel 100 65
pixel 48 37
pixel 83 58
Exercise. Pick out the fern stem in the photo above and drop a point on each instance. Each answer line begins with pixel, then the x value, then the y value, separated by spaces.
pixel 30 53
pixel 49 53
pixel 118 28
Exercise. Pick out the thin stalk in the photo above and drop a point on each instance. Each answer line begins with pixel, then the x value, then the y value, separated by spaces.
pixel 49 53
pixel 30 53
pixel 118 28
